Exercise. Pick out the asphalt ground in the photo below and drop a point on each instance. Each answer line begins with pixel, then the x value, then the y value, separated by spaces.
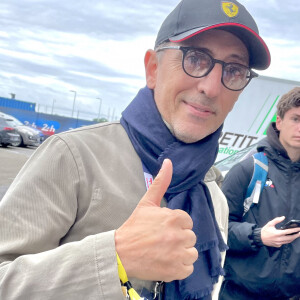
pixel 11 161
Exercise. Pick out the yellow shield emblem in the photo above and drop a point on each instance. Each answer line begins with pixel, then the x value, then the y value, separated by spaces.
pixel 230 9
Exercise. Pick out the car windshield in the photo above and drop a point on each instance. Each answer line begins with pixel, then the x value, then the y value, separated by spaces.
pixel 228 162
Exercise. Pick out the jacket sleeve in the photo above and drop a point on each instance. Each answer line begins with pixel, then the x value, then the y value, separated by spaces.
pixel 35 214
pixel 242 236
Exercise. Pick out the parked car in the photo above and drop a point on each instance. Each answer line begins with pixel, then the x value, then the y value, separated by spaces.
pixel 42 135
pixel 227 163
pixel 28 135
pixel 8 135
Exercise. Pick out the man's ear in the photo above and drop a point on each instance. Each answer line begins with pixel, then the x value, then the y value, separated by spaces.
pixel 151 64
pixel 278 123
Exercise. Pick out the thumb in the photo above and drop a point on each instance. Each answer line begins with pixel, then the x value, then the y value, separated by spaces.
pixel 159 186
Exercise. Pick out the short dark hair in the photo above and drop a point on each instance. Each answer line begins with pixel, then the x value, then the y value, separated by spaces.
pixel 287 101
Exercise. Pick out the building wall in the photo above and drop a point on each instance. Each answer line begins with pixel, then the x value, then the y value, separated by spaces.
pixel 8 102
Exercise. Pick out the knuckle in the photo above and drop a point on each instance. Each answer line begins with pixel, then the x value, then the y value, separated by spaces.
pixel 193 238
pixel 188 270
pixel 195 253
pixel 176 269
pixel 170 238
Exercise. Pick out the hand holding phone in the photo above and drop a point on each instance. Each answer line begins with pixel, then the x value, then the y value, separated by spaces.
pixel 291 224
pixel 273 236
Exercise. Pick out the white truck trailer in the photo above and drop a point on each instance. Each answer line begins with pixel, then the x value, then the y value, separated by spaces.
pixel 256 108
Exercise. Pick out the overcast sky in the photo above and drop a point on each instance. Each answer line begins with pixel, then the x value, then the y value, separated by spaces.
pixel 97 47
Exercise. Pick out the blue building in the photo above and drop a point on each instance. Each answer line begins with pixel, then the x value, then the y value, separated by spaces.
pixel 47 123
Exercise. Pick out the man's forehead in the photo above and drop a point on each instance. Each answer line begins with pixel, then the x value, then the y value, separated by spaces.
pixel 295 111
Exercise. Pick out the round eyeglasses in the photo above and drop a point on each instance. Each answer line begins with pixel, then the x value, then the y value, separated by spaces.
pixel 197 63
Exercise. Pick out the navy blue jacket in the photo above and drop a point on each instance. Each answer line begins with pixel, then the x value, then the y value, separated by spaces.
pixel 258 268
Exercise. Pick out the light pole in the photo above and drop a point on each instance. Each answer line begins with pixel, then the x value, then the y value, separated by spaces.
pixel 52 106
pixel 73 101
pixel 99 107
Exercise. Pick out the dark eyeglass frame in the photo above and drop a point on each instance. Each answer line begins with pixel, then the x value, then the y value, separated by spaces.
pixel 185 50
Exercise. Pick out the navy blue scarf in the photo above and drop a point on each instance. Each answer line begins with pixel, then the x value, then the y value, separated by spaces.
pixel 153 143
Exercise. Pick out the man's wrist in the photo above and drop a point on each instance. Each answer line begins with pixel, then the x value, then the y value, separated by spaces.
pixel 256 236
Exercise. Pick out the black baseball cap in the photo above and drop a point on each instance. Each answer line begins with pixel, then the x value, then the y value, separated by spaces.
pixel 191 17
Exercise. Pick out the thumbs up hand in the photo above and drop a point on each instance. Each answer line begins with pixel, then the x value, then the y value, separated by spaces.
pixel 157 243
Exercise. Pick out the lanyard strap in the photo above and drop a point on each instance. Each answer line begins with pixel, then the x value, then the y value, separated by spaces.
pixel 124 279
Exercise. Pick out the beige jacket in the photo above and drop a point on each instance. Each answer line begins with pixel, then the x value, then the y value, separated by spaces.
pixel 58 218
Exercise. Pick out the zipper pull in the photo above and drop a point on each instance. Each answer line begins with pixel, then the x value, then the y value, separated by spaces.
pixel 158 290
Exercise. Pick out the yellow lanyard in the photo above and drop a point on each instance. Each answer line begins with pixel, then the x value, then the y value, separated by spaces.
pixel 124 279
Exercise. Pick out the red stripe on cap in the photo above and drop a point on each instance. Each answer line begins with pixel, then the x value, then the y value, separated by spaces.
pixel 228 24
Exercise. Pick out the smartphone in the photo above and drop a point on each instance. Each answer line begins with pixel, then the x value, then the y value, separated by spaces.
pixel 291 224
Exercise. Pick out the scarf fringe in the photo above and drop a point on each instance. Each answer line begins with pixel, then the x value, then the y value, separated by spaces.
pixel 206 246
pixel 215 273
pixel 198 294
pixel 223 247
pixel 211 244
pixel 208 290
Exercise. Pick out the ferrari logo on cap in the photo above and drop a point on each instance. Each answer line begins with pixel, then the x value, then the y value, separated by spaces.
pixel 230 9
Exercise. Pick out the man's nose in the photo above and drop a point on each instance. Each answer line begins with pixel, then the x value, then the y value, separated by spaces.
pixel 211 84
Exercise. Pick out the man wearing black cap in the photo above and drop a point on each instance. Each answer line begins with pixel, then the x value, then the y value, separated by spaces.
pixel 94 217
